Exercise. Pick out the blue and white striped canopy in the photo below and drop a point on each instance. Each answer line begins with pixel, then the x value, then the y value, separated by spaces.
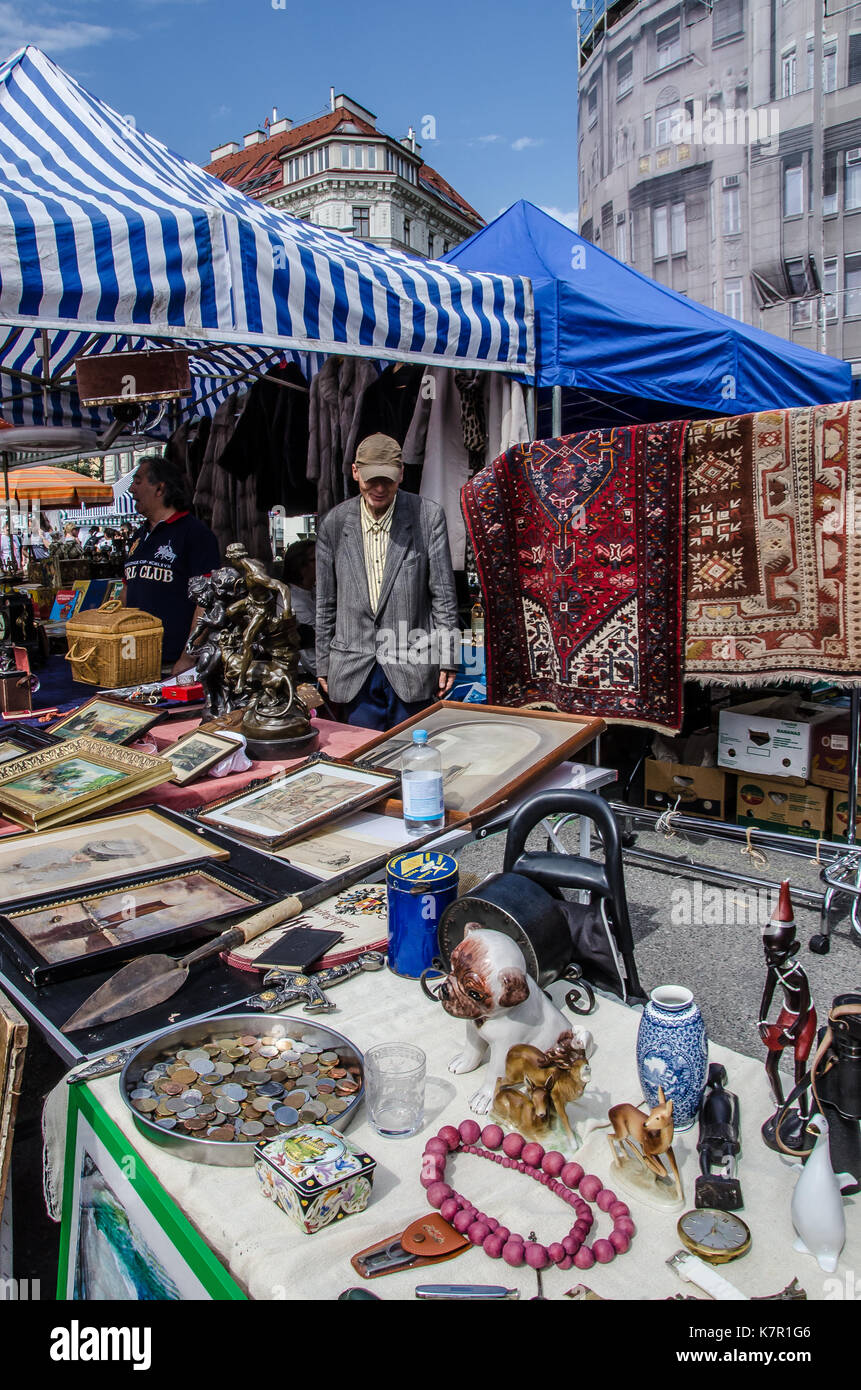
pixel 108 238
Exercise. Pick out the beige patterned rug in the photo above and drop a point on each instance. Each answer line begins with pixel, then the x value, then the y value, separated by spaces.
pixel 774 562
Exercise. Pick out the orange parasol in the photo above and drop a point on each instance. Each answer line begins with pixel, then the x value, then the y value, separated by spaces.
pixel 57 487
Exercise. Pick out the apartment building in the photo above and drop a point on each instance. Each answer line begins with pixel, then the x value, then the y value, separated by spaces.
pixel 719 157
pixel 340 171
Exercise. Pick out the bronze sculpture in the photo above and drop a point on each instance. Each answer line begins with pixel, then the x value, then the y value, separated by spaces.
pixel 246 646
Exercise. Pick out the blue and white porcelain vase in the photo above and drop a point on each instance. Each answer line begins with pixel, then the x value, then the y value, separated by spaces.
pixel 673 1052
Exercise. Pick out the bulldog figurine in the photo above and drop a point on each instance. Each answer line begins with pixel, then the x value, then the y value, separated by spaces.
pixel 489 986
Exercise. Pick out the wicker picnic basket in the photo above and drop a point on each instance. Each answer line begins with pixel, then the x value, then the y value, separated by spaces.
pixel 112 645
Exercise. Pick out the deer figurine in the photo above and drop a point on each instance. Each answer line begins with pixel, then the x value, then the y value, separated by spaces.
pixel 539 1084
pixel 646 1139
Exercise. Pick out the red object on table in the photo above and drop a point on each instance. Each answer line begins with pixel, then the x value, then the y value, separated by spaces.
pixel 185 693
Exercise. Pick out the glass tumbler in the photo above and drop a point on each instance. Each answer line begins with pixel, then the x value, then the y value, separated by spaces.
pixel 395 1088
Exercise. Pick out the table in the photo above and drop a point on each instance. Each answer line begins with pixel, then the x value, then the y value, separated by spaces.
pixel 261 1254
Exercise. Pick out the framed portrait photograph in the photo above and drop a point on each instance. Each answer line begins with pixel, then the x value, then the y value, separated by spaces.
pixel 489 752
pixel 115 721
pixel 122 1237
pixel 64 937
pixel 48 787
pixel 192 756
pixel 51 862
pixel 293 803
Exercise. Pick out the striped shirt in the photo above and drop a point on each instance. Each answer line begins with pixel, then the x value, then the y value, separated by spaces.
pixel 375 536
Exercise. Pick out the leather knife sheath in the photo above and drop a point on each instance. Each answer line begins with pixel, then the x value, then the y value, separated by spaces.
pixel 426 1241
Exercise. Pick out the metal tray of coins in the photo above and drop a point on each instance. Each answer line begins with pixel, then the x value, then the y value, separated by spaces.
pixel 210 1091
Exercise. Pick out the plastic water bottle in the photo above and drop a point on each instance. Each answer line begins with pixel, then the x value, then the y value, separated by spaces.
pixel 421 786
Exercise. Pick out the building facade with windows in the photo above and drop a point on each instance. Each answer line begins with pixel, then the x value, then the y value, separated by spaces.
pixel 341 172
pixel 716 156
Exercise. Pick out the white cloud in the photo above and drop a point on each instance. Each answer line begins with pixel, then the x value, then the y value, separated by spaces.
pixel 569 218
pixel 488 139
pixel 47 28
pixel 525 142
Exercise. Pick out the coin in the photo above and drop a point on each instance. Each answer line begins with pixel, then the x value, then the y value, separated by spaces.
pixel 247 1040
pixel 315 1108
pixel 262 1103
pixel 346 1088
pixel 224 1068
pixel 192 1096
pixel 337 1104
pixel 185 1076
pixel 166 1122
pixel 258 1064
pixel 329 1059
pixel 195 1124
pixel 172 1088
pixel 338 1073
pixel 252 1127
pixel 270 1088
pixel 175 1104
pixel 296 1098
pixel 286 1115
pixel 198 1061
pixel 325 1088
pixel 226 1106
pixel 220 1133
pixel 146 1105
pixel 232 1090
pixel 268 1119
pixel 143 1093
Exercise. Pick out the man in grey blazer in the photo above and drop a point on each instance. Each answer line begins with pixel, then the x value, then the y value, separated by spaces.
pixel 387 620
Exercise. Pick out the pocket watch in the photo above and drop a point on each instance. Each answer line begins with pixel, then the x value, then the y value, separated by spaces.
pixel 716 1236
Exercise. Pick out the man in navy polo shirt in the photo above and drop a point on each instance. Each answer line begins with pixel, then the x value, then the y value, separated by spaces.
pixel 172 548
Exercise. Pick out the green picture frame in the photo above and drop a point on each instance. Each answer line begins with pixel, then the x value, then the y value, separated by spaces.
pixel 171 1261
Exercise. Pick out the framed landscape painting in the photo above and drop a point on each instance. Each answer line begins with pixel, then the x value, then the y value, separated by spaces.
pixel 52 785
pixel 122 1238
pixel 61 861
pixel 116 721
pixel 489 752
pixel 65 937
pixel 294 803
pixel 192 756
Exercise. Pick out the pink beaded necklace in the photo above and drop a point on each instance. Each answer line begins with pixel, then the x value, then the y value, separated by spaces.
pixel 552 1171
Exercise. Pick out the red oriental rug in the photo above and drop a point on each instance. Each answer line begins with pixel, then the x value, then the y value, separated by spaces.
pixel 579 548
pixel 774 585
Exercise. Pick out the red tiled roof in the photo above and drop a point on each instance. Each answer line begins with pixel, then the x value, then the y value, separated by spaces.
pixel 260 165
pixel 288 140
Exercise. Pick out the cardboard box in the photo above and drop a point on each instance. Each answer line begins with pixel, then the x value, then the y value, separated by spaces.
pixel 763 737
pixel 703 790
pixel 829 758
pixel 840 816
pixel 772 803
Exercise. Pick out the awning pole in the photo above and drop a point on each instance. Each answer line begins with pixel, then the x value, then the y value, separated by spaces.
pixel 556 426
pixel 46 371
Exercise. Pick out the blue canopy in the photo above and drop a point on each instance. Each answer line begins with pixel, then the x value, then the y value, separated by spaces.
pixel 603 327
pixel 108 237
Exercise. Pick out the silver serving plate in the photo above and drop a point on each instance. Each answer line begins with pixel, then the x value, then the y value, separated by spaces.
pixel 221 1153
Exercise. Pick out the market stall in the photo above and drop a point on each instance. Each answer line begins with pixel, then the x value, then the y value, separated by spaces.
pixel 260 1252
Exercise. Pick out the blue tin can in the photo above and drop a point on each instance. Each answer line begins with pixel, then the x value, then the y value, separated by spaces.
pixel 420 885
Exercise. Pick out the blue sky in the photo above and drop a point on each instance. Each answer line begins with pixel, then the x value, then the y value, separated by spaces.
pixel 498 77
